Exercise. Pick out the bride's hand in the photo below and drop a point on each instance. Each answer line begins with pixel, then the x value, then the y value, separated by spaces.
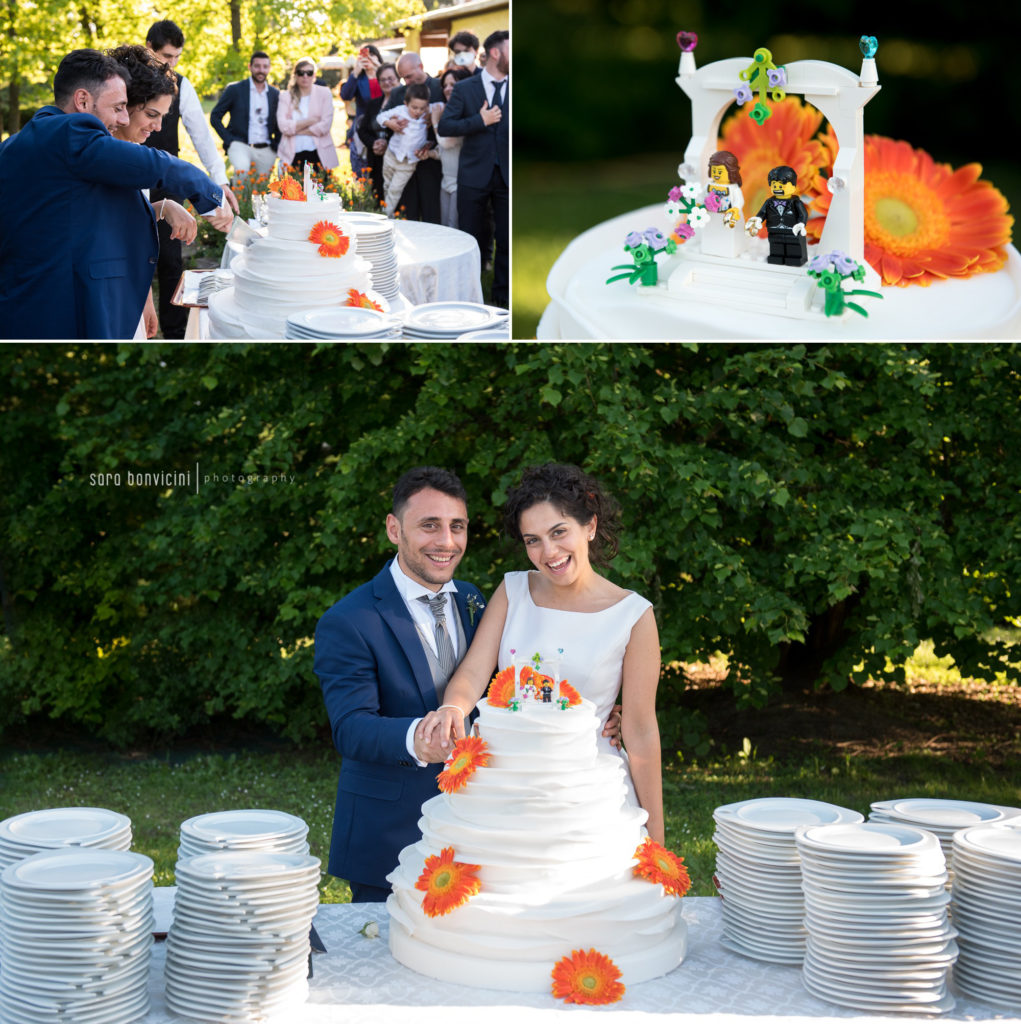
pixel 443 727
pixel 612 727
pixel 182 223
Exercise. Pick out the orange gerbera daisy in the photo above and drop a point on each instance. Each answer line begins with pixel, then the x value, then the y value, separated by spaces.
pixel 786 138
pixel 587 977
pixel 446 883
pixel 288 188
pixel 925 221
pixel 360 299
pixel 469 753
pixel 332 241
pixel 501 689
pixel 568 691
pixel 657 864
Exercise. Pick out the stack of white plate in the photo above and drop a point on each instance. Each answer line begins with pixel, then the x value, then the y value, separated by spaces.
pixel 255 831
pixel 447 321
pixel 876 913
pixel 77 936
pixel 374 241
pixel 941 817
pixel 336 323
pixel 758 873
pixel 33 831
pixel 986 907
pixel 238 945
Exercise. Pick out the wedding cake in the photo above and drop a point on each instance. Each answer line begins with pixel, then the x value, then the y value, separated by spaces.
pixel 531 860
pixel 305 261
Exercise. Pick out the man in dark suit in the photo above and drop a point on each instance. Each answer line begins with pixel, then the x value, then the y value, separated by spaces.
pixel 384 654
pixel 478 109
pixel 785 216
pixel 78 241
pixel 252 135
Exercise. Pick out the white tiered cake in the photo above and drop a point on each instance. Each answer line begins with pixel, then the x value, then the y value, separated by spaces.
pixel 284 273
pixel 548 824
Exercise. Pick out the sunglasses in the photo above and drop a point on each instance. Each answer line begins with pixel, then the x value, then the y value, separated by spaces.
pixel 304 74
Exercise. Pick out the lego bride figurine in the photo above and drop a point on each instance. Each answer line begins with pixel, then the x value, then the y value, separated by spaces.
pixel 724 234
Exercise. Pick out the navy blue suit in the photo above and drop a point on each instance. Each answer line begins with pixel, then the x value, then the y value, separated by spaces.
pixel 375 678
pixel 78 242
pixel 483 172
pixel 234 100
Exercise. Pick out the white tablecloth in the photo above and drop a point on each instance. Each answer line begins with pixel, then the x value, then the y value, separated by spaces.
pixel 358 982
pixel 437 264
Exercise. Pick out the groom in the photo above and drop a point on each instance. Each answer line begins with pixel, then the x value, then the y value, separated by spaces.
pixel 384 654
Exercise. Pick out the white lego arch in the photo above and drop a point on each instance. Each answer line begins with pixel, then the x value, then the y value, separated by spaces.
pixel 838 93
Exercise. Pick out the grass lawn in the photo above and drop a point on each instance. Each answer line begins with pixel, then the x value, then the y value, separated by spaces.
pixel 938 737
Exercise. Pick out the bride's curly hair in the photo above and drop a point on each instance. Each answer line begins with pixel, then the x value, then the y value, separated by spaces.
pixel 150 77
pixel 575 494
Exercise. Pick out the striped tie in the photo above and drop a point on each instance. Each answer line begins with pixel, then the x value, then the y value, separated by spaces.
pixel 444 647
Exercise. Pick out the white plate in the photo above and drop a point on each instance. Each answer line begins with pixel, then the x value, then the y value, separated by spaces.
pixel 953 814
pixel 340 322
pixel 1001 844
pixel 875 838
pixel 236 868
pixel 784 814
pixel 78 870
pixel 442 318
pixel 63 826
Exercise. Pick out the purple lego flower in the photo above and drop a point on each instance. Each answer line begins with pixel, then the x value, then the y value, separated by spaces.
pixel 777 78
pixel 742 94
pixel 633 238
pixel 674 194
pixel 819 263
pixel 654 237
pixel 684 231
pixel 712 202
pixel 843 263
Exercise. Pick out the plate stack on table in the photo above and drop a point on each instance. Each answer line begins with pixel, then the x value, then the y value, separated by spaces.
pixel 255 831
pixel 56 827
pixel 374 241
pixel 351 323
pixel 77 937
pixel 986 908
pixel 758 873
pixel 448 321
pixel 238 945
pixel 876 913
pixel 941 817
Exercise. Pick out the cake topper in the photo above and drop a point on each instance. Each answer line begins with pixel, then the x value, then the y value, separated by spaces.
pixel 762 76
pixel 643 249
pixel 785 217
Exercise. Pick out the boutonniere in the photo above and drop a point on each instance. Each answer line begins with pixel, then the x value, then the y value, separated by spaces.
pixel 475 605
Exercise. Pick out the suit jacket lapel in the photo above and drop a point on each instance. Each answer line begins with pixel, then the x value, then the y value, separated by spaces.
pixel 396 615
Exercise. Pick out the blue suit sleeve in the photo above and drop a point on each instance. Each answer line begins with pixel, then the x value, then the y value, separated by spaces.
pixel 349 674
pixel 94 155
pixel 456 119
pixel 356 85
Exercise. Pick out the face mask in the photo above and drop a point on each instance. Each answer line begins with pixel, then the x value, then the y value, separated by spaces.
pixel 464 59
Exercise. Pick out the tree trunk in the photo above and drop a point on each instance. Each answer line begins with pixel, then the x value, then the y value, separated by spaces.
pixel 235 25
pixel 800 664
pixel 14 103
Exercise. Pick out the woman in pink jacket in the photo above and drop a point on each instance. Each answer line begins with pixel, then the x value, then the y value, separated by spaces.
pixel 305 114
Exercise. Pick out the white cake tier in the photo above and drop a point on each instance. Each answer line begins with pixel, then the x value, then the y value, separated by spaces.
pixel 289 219
pixel 548 823
pixel 985 306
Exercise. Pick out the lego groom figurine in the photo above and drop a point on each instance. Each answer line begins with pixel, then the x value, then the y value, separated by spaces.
pixel 785 216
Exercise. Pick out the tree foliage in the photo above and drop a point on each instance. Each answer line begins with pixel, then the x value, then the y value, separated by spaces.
pixel 808 511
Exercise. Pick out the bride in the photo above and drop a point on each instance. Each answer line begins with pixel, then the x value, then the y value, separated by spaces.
pixel 605 636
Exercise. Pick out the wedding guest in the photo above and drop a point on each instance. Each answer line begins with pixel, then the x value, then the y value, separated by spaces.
pixel 411 72
pixel 449 149
pixel 305 116
pixel 78 246
pixel 409 124
pixel 373 135
pixel 464 47
pixel 252 135
pixel 362 86
pixel 478 110
pixel 166 41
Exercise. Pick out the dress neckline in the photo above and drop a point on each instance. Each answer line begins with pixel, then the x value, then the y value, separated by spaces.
pixel 567 611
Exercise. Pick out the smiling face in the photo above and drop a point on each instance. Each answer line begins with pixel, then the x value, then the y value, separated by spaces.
pixel 388 81
pixel 144 119
pixel 109 104
pixel 259 68
pixel 431 535
pixel 782 189
pixel 556 543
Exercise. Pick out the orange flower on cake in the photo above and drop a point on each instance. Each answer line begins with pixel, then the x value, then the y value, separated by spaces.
pixel 587 977
pixel 288 188
pixel 925 221
pixel 446 883
pixel 361 300
pixel 501 689
pixel 657 864
pixel 568 691
pixel 469 753
pixel 330 239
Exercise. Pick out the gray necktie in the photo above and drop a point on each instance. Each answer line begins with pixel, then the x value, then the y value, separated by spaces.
pixel 444 647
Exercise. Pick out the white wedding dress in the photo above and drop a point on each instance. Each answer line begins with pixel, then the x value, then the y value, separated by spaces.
pixel 590 645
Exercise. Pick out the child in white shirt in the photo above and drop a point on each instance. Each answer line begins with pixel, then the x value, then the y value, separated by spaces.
pixel 400 158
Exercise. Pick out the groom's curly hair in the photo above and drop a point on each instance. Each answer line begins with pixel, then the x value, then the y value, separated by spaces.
pixel 574 493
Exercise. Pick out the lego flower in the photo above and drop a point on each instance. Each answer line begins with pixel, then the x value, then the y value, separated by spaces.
pixel 654 237
pixel 633 238
pixel 447 883
pixel 777 78
pixel 691 191
pixel 361 300
pixel 469 754
pixel 674 194
pixel 712 202
pixel 698 218
pixel 682 232
pixel 925 221
pixel 742 94
pixel 330 239
pixel 657 864
pixel 587 977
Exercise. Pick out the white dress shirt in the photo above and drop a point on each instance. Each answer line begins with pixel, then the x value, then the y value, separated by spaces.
pixel 488 82
pixel 258 113
pixel 410 590
pixel 195 124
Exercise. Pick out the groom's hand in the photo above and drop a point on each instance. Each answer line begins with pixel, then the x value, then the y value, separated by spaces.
pixel 612 727
pixel 431 753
